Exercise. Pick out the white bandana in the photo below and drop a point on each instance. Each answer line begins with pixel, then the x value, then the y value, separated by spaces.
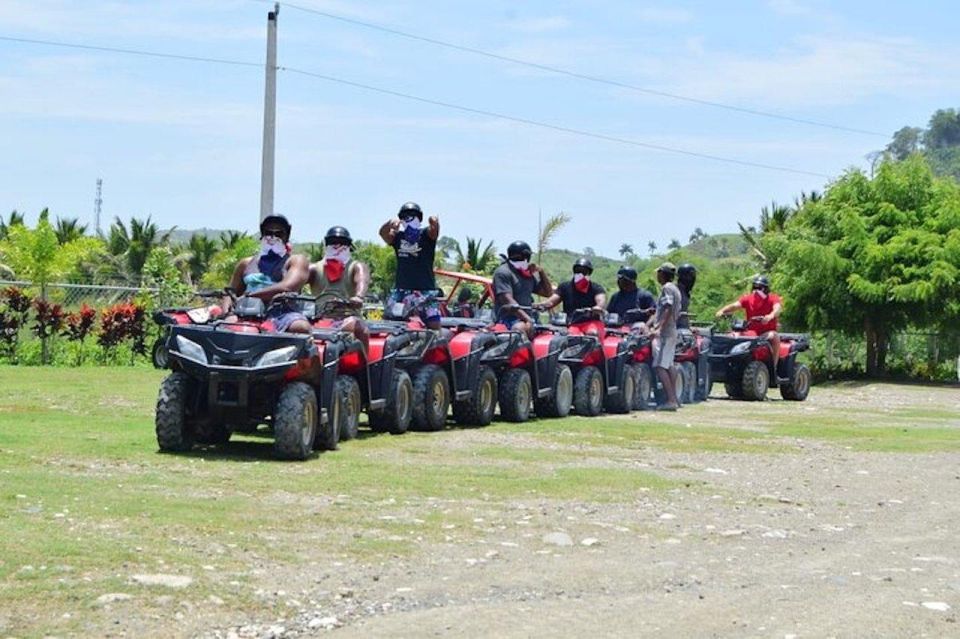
pixel 520 265
pixel 275 245
pixel 339 253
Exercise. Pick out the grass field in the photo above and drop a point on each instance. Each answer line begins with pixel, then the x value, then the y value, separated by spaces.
pixel 87 502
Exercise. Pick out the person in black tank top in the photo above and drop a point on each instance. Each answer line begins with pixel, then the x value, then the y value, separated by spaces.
pixel 415 246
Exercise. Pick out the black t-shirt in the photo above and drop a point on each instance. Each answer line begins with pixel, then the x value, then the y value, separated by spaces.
pixel 574 299
pixel 623 301
pixel 507 280
pixel 683 320
pixel 415 262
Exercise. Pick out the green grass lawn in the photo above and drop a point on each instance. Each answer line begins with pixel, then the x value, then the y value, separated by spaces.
pixel 86 500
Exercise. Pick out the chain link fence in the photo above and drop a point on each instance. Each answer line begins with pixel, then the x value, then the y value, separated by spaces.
pixel 73 296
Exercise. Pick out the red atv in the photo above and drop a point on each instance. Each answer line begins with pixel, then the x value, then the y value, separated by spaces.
pixel 692 357
pixel 181 316
pixel 233 376
pixel 445 368
pixel 639 347
pixel 741 360
pixel 602 377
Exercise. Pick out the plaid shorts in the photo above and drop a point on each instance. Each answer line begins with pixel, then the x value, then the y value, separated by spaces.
pixel 429 310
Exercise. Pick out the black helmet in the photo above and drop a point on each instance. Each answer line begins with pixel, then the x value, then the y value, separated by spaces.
pixel 519 250
pixel 583 263
pixel 627 273
pixel 276 219
pixel 410 209
pixel 687 275
pixel 338 233
pixel 761 282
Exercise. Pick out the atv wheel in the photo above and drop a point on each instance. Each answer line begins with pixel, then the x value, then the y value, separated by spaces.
pixel 295 421
pixel 588 392
pixel 516 391
pixel 799 386
pixel 479 409
pixel 431 398
pixel 621 402
pixel 328 433
pixel 174 431
pixel 350 407
pixel 395 416
pixel 688 371
pixel 159 354
pixel 681 386
pixel 756 380
pixel 734 390
pixel 560 400
pixel 644 386
pixel 703 389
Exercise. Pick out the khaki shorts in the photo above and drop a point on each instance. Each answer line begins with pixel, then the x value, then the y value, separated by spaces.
pixel 664 350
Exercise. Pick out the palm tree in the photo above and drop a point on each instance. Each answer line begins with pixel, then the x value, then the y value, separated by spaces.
pixel 135 245
pixel 69 229
pixel 774 218
pixel 626 250
pixel 652 247
pixel 14 220
pixel 475 258
pixel 549 230
pixel 674 244
pixel 229 239
pixel 201 250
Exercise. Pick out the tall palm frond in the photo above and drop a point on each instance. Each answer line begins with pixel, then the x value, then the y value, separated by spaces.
pixel 549 230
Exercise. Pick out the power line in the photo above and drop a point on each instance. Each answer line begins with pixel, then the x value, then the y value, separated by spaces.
pixel 554 127
pixel 577 75
pixel 423 100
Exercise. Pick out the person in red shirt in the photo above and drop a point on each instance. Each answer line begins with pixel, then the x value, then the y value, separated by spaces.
pixel 762 309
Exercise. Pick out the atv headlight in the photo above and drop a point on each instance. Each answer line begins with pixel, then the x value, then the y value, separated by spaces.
pixel 277 356
pixel 742 347
pixel 191 350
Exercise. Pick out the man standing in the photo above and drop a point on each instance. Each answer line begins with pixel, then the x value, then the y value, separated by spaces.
pixel 339 277
pixel 514 283
pixel 664 329
pixel 686 279
pixel 272 271
pixel 762 309
pixel 414 247
pixel 630 296
pixel 579 292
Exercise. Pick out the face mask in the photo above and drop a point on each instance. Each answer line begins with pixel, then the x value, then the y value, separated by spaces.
pixel 763 294
pixel 272 245
pixel 337 252
pixel 581 282
pixel 579 277
pixel 520 265
pixel 413 223
pixel 411 230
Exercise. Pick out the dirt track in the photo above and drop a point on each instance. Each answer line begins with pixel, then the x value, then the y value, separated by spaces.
pixel 818 541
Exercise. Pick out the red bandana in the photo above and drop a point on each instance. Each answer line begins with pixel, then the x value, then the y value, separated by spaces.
pixel 583 285
pixel 333 269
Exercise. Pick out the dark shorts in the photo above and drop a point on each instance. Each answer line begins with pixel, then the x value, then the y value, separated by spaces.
pixel 283 319
pixel 429 311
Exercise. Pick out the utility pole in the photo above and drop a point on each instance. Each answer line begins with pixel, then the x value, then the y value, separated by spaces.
pixel 269 117
pixel 98 205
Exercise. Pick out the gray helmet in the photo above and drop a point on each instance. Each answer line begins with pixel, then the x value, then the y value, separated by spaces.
pixel 761 282
pixel 338 235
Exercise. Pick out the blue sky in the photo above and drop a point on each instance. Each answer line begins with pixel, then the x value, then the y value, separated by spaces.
pixel 181 141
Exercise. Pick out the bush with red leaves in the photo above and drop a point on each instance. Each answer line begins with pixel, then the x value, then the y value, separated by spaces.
pixel 121 322
pixel 49 318
pixel 79 324
pixel 17 301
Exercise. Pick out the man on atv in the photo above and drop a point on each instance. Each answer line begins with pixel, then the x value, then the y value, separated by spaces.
pixel 339 277
pixel 415 247
pixel 579 292
pixel 274 270
pixel 630 296
pixel 514 283
pixel 686 279
pixel 762 309
pixel 663 327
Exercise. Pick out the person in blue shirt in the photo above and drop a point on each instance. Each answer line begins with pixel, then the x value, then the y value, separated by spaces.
pixel 630 296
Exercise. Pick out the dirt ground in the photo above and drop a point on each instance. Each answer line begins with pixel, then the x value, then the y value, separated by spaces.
pixel 822 540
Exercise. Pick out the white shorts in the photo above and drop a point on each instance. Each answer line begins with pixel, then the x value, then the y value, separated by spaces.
pixel 664 350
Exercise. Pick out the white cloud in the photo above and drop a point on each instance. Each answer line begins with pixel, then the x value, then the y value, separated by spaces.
pixel 816 71
pixel 788 7
pixel 539 25
pixel 664 15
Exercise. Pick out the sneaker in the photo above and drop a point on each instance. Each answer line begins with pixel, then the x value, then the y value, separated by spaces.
pixel 670 408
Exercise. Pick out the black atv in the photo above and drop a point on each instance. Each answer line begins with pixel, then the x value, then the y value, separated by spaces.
pixel 232 376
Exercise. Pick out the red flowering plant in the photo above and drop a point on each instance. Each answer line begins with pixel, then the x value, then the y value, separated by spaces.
pixel 78 327
pixel 13 316
pixel 122 322
pixel 17 301
pixel 49 318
